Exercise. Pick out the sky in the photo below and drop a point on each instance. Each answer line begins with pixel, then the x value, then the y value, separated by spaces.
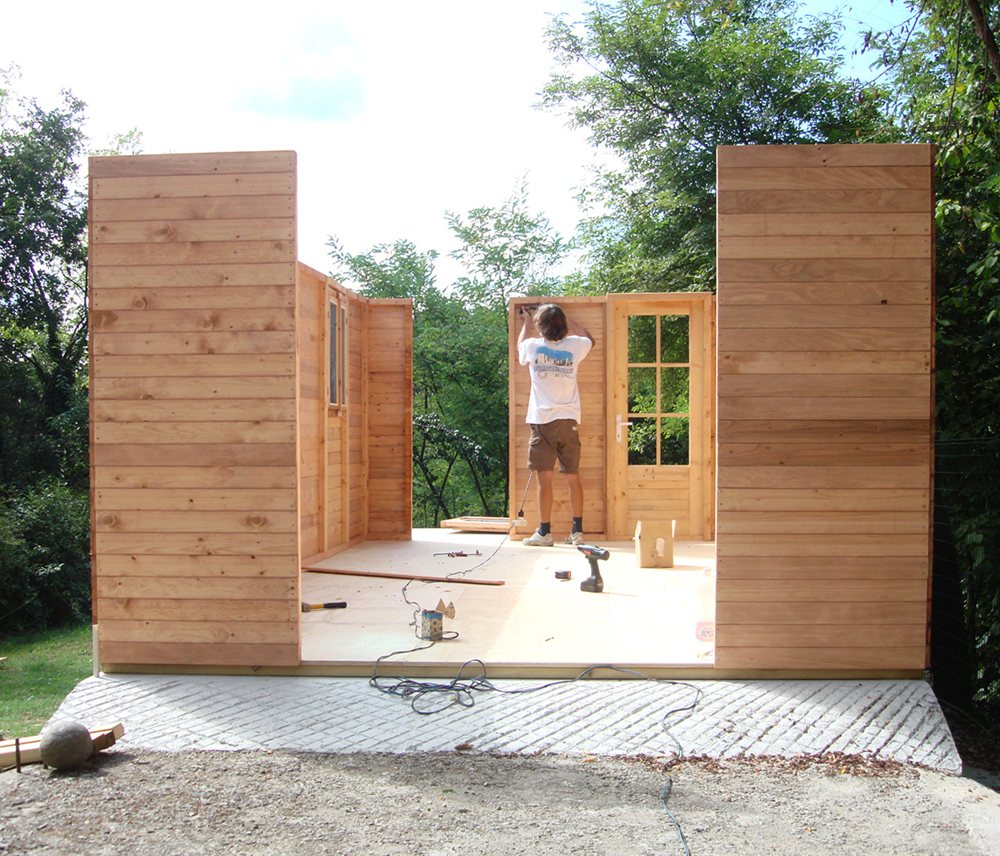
pixel 399 110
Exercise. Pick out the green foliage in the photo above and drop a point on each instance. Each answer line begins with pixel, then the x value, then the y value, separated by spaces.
pixel 460 372
pixel 507 251
pixel 44 510
pixel 667 84
pixel 43 329
pixel 948 95
pixel 44 559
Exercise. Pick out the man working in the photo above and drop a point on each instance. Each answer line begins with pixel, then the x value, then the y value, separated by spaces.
pixel 552 346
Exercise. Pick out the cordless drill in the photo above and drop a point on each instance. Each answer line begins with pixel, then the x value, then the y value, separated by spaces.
pixel 593 583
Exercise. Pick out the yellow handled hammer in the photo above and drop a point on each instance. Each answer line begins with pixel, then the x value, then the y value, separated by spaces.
pixel 337 604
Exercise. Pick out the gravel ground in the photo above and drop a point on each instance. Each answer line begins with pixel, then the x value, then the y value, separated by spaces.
pixel 145 803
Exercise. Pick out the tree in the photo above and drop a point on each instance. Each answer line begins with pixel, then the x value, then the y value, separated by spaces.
pixel 667 84
pixel 941 63
pixel 506 251
pixel 460 370
pixel 44 504
pixel 43 329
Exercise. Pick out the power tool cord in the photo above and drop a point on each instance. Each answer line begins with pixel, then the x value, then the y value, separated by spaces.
pixel 506 537
pixel 461 692
pixel 451 634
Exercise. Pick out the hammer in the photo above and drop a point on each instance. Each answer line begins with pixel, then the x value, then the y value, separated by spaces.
pixel 336 604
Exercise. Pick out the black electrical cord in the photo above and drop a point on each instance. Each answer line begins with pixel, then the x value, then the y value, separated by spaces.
pixel 460 692
pixel 451 634
pixel 506 537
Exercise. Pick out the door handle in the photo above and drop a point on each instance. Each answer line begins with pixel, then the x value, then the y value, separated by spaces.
pixel 620 423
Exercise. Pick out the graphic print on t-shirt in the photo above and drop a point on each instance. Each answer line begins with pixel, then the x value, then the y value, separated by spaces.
pixel 553 360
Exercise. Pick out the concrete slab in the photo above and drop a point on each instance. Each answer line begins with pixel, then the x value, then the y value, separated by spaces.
pixel 898 720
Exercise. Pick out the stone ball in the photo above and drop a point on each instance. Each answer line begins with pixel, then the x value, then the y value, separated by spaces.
pixel 65 745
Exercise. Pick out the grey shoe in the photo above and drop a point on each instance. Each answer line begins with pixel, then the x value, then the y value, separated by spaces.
pixel 537 539
pixel 575 538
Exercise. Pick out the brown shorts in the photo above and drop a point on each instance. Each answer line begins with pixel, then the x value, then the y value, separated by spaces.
pixel 552 441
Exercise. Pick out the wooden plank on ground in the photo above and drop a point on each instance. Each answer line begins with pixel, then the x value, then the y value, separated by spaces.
pixel 104 736
pixel 426 578
pixel 483 524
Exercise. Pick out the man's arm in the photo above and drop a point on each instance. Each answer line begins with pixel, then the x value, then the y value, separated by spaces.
pixel 527 325
pixel 575 329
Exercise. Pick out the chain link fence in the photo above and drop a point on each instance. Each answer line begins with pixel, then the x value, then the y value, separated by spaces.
pixel 965 618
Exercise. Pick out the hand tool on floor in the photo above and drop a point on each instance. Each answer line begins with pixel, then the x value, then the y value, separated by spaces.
pixel 593 583
pixel 457 554
pixel 336 604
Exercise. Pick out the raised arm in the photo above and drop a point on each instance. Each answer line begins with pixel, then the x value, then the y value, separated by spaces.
pixel 527 325
pixel 576 329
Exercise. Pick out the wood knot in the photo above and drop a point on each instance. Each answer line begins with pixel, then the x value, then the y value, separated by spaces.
pixel 256 521
pixel 139 302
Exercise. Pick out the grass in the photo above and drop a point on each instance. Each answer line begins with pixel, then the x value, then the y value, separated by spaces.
pixel 39 673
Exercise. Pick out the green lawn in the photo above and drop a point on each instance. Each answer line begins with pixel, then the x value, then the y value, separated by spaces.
pixel 39 673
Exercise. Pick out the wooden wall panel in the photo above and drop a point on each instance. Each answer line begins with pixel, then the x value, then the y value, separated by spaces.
pixel 311 362
pixel 389 408
pixel 357 428
pixel 825 432
pixel 195 426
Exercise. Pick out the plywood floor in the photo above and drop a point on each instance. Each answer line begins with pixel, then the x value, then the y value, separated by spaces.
pixel 646 618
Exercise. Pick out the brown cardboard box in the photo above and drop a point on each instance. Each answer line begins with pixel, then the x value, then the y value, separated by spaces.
pixel 654 543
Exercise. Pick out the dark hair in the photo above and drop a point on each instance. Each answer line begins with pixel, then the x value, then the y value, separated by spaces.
pixel 551 322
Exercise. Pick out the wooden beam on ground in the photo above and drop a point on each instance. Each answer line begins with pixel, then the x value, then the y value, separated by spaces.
pixel 483 524
pixel 30 752
pixel 424 578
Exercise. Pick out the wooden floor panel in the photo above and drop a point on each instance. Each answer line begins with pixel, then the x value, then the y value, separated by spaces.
pixel 644 616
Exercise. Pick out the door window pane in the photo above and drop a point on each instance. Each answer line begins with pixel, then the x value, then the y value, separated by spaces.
pixel 642 338
pixel 674 390
pixel 642 389
pixel 674 338
pixel 675 434
pixel 642 442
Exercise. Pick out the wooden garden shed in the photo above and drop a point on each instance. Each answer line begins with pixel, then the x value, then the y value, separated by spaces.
pixel 249 413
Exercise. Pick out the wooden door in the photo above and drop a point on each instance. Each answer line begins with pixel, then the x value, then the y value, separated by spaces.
pixel 660 422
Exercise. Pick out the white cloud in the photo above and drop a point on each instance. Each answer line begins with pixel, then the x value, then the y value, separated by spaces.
pixel 398 110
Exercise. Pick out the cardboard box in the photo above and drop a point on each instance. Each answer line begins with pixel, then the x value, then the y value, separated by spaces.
pixel 654 543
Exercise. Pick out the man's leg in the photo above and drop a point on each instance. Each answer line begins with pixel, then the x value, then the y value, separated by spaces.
pixel 576 506
pixel 543 536
pixel 544 495
pixel 575 493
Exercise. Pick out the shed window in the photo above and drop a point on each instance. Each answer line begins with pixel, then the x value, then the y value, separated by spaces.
pixel 338 354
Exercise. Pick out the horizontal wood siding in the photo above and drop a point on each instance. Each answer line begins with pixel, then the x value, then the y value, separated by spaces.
pixel 194 419
pixel 389 409
pixel 311 360
pixel 825 326
pixel 357 425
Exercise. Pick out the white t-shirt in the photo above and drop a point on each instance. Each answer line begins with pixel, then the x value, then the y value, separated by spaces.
pixel 553 365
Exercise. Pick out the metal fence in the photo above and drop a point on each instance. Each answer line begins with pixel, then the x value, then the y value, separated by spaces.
pixel 965 617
